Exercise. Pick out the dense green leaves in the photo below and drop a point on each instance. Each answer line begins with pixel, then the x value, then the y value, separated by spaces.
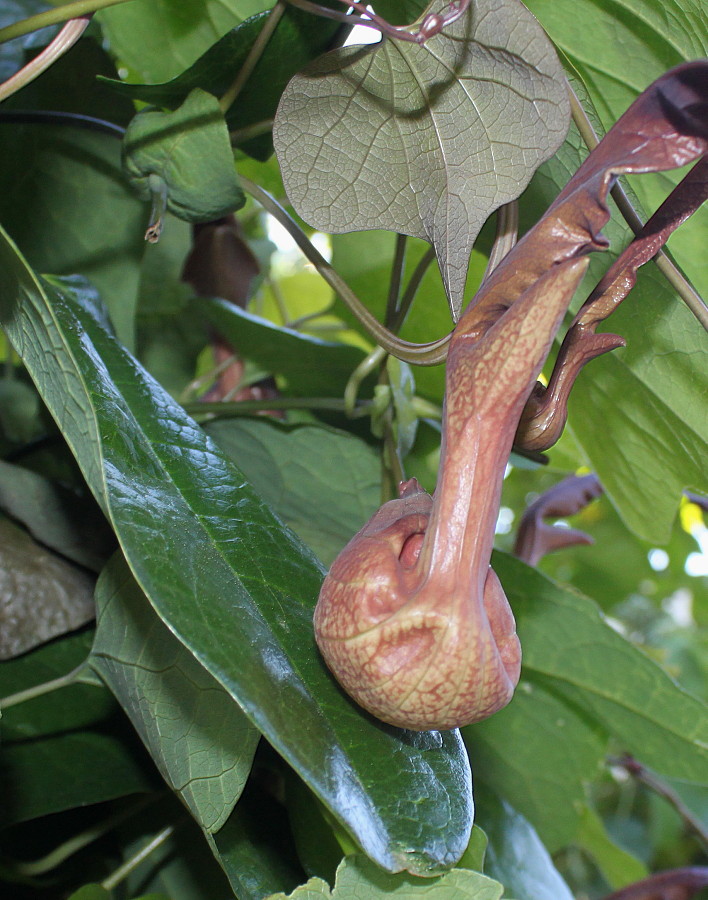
pixel 211 645
pixel 222 575
pixel 600 673
pixel 298 38
pixel 410 138
pixel 357 877
pixel 323 483
pixel 186 156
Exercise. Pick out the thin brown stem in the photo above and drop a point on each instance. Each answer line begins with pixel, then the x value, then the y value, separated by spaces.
pixel 674 884
pixel 54 16
pixel 639 772
pixel 253 57
pixel 419 354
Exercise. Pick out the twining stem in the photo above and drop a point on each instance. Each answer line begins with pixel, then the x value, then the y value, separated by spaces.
pixel 122 872
pixel 46 687
pixel 419 354
pixel 54 16
pixel 248 407
pixel 77 842
pixel 394 286
pixel 668 269
pixel 66 39
pixel 650 780
pixel 254 55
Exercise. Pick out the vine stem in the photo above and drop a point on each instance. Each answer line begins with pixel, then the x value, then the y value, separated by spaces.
pixel 46 687
pixel 64 41
pixel 67 11
pixel 419 354
pixel 254 55
pixel 248 407
pixel 122 872
pixel 643 775
pixel 668 269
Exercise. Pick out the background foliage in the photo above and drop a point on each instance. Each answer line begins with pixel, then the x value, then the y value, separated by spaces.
pixel 204 531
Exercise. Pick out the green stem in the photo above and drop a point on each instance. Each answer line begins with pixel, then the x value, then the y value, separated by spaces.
pixel 254 55
pixel 419 354
pixel 668 269
pixel 394 287
pixel 68 848
pixel 240 135
pixel 46 687
pixel 249 407
pixel 122 872
pixel 54 17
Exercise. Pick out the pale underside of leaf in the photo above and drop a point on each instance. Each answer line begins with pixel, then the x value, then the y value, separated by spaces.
pixel 196 733
pixel 424 140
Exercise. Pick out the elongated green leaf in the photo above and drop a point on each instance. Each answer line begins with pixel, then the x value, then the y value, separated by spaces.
pixel 199 738
pixel 66 771
pixel 159 40
pixel 66 748
pixel 583 660
pixel 424 140
pixel 323 483
pixel 538 753
pixel 232 584
pixel 45 169
pixel 516 856
pixel 310 366
pixel 360 878
pixel 55 516
pixel 298 38
pixel 41 595
pixel 618 866
pixel 189 153
pixel 72 708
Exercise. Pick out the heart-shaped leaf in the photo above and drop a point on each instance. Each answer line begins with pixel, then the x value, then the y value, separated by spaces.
pixel 424 140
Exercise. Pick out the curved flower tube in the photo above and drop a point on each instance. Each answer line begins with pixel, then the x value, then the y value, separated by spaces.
pixel 411 619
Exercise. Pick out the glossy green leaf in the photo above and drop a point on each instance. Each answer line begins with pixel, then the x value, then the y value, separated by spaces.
pixel 234 586
pixel 603 675
pixel 57 517
pixel 515 855
pixel 197 735
pixel 41 595
pixel 255 848
pixel 91 892
pixel 45 169
pixel 188 153
pixel 411 137
pixel 538 753
pixel 72 708
pixel 159 40
pixel 359 877
pixel 324 484
pixel 66 771
pixel 298 38
pixel 311 367
pixel 66 748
